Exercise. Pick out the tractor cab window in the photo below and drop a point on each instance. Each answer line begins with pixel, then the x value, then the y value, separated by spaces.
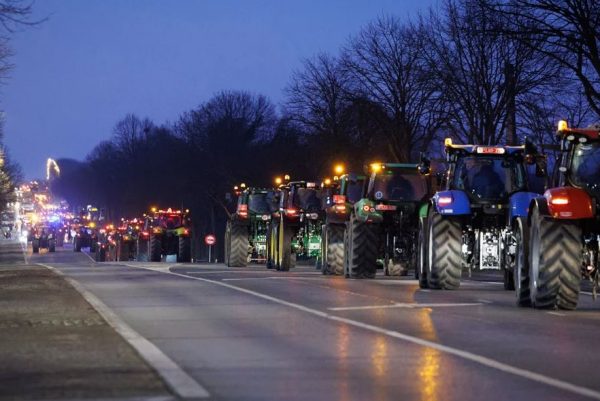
pixel 585 167
pixel 306 199
pixel 258 204
pixel 399 184
pixel 354 190
pixel 489 178
pixel 168 222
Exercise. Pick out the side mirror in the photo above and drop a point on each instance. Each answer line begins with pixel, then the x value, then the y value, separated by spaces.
pixel 541 168
pixel 424 165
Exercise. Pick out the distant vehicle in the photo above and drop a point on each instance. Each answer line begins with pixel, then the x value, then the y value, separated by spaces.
pixel 43 237
pixel 167 233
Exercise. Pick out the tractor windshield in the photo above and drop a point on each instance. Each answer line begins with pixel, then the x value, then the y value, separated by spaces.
pixel 169 221
pixel 354 190
pixel 399 184
pixel 306 199
pixel 257 203
pixel 489 178
pixel 585 167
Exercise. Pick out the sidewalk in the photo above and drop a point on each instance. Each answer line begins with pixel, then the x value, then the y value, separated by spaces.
pixel 54 345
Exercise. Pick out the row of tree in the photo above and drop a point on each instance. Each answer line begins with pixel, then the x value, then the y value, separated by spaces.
pixel 481 71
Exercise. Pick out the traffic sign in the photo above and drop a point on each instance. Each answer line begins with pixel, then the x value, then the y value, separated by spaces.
pixel 210 239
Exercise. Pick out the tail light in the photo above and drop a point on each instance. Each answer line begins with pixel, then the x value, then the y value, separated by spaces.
pixel 186 232
pixel 340 208
pixel 366 208
pixel 145 233
pixel 560 200
pixel 291 211
pixel 338 199
pixel 242 210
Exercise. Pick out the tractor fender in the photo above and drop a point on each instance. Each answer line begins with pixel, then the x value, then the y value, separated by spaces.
pixel 452 203
pixel 539 203
pixel 364 211
pixel 424 210
pixel 519 204
pixel 569 203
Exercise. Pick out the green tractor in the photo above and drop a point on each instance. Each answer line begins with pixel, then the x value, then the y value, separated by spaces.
pixel 168 233
pixel 246 230
pixel 337 197
pixel 295 229
pixel 383 225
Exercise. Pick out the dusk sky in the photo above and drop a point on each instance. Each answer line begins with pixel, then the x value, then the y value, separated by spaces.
pixel 92 62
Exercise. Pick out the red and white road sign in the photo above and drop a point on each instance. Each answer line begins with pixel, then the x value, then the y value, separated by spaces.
pixel 210 239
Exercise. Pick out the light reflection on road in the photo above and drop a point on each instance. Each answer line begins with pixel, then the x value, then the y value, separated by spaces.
pixel 429 360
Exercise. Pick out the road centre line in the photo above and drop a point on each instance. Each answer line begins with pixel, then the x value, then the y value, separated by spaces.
pixel 469 356
pixel 402 305
pixel 174 376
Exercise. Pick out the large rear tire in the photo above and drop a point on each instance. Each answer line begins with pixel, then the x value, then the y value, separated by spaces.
pixel 271 245
pixel 77 244
pixel 52 246
pixel 155 249
pixel 334 249
pixel 238 245
pixel 362 249
pixel 521 262
pixel 444 251
pixel 122 251
pixel 286 258
pixel 141 252
pixel 35 246
pixel 555 262
pixel 184 250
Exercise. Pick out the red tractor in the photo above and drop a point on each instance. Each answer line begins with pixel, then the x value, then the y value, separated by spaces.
pixel 560 236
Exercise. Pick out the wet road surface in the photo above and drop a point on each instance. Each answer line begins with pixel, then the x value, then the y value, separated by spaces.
pixel 255 334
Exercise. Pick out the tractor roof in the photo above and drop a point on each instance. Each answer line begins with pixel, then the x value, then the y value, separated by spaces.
pixel 564 131
pixel 483 150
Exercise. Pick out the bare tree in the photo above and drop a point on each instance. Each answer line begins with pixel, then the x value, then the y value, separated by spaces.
pixel 130 132
pixel 317 96
pixel 384 61
pixel 568 33
pixel 469 60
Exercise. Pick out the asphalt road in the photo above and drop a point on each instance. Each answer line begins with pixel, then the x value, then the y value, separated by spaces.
pixel 254 334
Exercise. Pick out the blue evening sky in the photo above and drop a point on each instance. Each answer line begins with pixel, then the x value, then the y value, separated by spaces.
pixel 93 61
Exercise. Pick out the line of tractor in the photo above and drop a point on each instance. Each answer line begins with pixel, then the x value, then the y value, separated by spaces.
pixel 481 207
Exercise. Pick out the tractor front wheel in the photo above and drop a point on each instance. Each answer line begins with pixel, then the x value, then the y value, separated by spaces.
pixel 444 251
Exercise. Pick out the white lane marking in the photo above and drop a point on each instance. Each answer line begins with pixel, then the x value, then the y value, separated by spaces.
pixel 482 360
pixel 176 378
pixel 556 313
pixel 586 293
pixel 396 282
pixel 247 278
pixel 471 282
pixel 485 301
pixel 401 305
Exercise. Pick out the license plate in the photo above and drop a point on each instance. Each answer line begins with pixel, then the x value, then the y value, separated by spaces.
pixel 385 207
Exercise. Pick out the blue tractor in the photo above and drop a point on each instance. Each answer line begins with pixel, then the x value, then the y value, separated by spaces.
pixel 474 223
